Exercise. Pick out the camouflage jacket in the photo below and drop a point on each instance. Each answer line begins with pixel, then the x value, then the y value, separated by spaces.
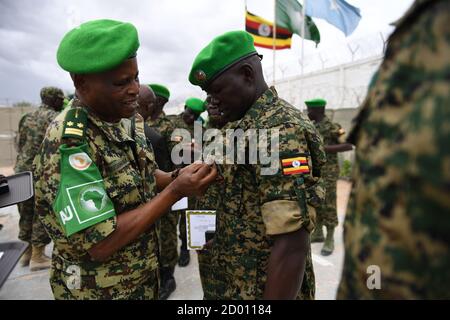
pixel 397 228
pixel 331 132
pixel 164 126
pixel 32 129
pixel 253 207
pixel 129 182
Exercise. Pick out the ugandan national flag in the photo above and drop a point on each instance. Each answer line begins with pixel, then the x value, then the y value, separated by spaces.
pixel 262 32
pixel 295 165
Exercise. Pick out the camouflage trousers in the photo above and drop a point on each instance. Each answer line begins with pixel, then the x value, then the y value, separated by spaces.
pixel 326 214
pixel 308 289
pixel 215 288
pixel 206 274
pixel 90 289
pixel 168 240
pixel 182 229
pixel 31 229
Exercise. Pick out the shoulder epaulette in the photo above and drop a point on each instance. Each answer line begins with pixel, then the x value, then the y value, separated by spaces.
pixel 75 124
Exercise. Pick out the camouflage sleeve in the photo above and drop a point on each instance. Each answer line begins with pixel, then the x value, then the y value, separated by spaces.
pixel 337 133
pixel 25 152
pixel 47 166
pixel 280 205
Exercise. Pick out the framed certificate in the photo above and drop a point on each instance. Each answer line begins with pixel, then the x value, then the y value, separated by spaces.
pixel 197 223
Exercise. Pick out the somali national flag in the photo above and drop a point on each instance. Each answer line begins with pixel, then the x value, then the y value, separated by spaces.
pixel 337 12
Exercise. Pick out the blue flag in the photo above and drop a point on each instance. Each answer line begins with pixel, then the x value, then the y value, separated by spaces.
pixel 337 12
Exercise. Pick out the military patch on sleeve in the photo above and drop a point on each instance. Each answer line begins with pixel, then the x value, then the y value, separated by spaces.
pixel 297 164
pixel 75 123
pixel 82 200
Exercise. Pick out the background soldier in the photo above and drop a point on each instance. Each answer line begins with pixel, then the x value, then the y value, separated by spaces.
pixel 261 246
pixel 32 129
pixel 209 201
pixel 397 228
pixel 193 107
pixel 168 255
pixel 332 134
pixel 96 155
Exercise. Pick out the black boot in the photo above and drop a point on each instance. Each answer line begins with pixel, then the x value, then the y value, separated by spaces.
pixel 168 284
pixel 184 258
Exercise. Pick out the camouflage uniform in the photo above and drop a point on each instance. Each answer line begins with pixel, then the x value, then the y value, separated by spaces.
pixel 32 129
pixel 168 222
pixel 398 214
pixel 327 213
pixel 209 201
pixel 164 126
pixel 132 272
pixel 178 123
pixel 251 204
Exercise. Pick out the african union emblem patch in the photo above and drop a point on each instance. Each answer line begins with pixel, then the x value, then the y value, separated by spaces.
pixel 295 165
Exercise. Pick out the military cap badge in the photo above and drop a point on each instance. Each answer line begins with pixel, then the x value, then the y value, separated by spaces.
pixel 200 76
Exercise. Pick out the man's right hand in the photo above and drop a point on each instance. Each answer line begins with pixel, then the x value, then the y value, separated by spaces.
pixel 194 179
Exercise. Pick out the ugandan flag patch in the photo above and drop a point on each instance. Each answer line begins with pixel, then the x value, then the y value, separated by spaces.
pixel 295 165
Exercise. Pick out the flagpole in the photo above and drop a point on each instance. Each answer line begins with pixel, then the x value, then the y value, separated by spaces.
pixel 274 35
pixel 303 50
pixel 303 33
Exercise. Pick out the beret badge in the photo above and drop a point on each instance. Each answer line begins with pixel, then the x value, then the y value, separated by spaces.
pixel 200 75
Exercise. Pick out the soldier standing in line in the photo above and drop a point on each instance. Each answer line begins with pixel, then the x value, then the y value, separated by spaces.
pixel 168 254
pixel 32 129
pixel 332 135
pixel 193 107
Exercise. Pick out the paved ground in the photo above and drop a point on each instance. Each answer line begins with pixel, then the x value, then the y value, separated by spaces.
pixel 22 284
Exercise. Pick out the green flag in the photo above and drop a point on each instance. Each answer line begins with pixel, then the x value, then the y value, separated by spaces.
pixel 289 15
pixel 82 200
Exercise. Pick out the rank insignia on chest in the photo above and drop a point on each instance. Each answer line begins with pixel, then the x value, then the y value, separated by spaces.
pixel 75 123
pixel 295 165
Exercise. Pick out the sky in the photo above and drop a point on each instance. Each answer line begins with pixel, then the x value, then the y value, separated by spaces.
pixel 171 33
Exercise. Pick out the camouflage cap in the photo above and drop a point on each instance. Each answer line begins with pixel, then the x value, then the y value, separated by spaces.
pixel 50 92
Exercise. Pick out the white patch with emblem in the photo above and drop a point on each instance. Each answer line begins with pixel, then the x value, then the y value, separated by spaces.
pixel 80 161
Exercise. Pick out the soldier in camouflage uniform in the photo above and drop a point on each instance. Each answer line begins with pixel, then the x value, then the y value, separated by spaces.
pixel 332 134
pixel 397 226
pixel 32 128
pixel 112 254
pixel 186 120
pixel 209 201
pixel 157 120
pixel 261 246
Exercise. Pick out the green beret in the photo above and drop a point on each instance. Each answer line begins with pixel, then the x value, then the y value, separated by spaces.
pixel 97 46
pixel 160 90
pixel 219 55
pixel 195 104
pixel 50 92
pixel 314 103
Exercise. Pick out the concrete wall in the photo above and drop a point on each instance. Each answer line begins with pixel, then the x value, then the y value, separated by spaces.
pixel 343 86
pixel 9 120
